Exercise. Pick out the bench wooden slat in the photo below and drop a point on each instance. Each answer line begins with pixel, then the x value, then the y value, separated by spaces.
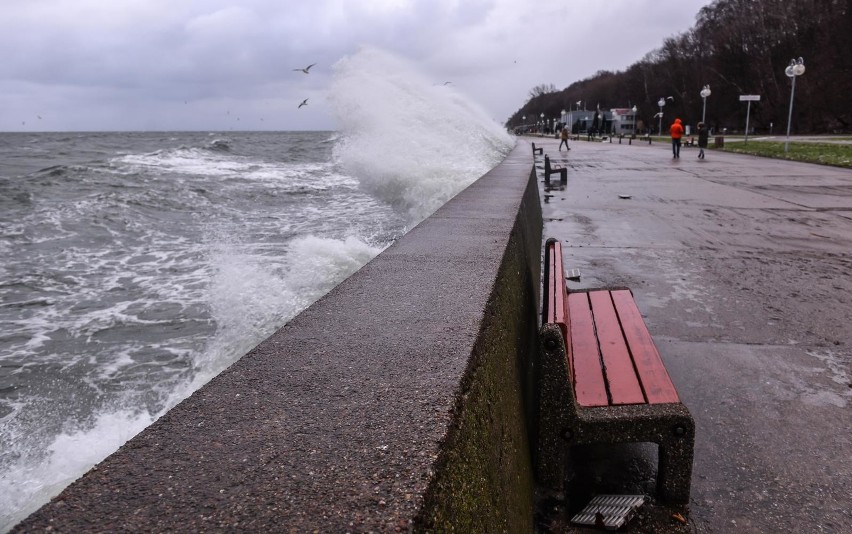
pixel 584 356
pixel 656 382
pixel 558 290
pixel 624 387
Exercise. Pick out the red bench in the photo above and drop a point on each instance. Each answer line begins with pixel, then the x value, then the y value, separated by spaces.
pixel 602 381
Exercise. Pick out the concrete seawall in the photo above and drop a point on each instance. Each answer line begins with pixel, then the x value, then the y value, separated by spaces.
pixel 397 401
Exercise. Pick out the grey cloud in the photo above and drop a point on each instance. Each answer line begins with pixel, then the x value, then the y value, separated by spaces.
pixel 134 62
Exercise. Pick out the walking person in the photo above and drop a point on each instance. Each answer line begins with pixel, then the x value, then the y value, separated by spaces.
pixel 676 130
pixel 703 137
pixel 564 136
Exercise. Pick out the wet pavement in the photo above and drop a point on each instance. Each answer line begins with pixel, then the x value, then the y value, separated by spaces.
pixel 742 267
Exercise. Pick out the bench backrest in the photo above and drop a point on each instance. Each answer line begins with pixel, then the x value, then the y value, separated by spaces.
pixel 611 356
pixel 555 291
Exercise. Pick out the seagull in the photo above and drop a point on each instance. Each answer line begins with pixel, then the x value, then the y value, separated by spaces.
pixel 306 69
pixel 447 83
pixel 670 98
pixel 304 103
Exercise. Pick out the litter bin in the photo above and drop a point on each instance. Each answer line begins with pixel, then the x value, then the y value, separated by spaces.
pixel 720 142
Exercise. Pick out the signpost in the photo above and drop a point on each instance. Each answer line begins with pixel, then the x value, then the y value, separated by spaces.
pixel 749 99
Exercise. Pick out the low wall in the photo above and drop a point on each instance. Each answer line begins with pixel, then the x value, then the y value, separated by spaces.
pixel 395 401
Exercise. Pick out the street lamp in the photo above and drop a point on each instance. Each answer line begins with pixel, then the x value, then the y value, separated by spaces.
pixel 794 69
pixel 705 92
pixel 634 110
pixel 661 103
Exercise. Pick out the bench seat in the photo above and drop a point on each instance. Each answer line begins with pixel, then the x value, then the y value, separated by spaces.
pixel 602 380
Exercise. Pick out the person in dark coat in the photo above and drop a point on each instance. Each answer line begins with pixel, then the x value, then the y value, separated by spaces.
pixel 564 136
pixel 703 137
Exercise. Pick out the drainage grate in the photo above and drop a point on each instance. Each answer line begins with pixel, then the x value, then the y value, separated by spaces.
pixel 609 511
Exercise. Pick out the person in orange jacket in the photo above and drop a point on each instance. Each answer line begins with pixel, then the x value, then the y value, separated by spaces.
pixel 676 130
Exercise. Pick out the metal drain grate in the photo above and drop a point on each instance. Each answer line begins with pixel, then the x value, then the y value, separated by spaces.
pixel 609 511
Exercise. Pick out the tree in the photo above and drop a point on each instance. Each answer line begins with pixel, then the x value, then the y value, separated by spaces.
pixel 542 89
pixel 737 47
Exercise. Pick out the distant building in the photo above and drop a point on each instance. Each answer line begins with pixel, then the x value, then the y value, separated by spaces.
pixel 616 121
pixel 623 120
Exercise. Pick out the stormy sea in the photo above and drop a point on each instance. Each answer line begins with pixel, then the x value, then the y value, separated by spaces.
pixel 135 266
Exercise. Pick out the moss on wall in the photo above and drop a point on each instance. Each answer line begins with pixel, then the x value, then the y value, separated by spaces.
pixel 484 479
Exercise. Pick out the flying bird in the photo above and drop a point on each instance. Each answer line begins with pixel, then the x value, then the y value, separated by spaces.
pixel 304 103
pixel 306 69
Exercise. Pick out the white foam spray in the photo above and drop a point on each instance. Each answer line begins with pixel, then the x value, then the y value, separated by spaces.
pixel 252 295
pixel 411 141
pixel 37 476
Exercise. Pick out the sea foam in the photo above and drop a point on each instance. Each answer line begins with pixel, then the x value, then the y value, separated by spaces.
pixel 410 141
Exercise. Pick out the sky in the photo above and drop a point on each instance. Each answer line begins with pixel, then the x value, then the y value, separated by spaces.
pixel 164 65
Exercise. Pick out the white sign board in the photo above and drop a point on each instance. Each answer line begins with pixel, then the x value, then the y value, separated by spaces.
pixel 752 98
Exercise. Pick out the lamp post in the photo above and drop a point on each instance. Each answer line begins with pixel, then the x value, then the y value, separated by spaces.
pixel 705 92
pixel 794 69
pixel 524 118
pixel 661 103
pixel 634 121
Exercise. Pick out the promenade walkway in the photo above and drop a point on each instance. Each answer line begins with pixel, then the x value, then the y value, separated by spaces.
pixel 743 269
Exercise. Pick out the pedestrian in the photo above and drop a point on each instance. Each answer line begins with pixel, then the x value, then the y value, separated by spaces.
pixel 676 130
pixel 703 137
pixel 564 136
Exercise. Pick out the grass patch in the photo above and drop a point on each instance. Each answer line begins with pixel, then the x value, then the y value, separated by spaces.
pixel 837 155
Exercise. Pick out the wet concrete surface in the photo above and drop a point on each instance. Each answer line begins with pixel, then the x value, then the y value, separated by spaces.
pixel 742 267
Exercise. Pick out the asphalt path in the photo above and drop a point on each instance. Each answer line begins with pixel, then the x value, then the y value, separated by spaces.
pixel 742 267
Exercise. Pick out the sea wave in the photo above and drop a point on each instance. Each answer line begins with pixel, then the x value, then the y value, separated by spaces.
pixel 409 141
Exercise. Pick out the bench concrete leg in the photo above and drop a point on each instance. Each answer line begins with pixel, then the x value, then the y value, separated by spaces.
pixel 553 418
pixel 674 470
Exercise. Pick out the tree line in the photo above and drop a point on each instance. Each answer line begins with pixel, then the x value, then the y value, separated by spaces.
pixel 737 47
